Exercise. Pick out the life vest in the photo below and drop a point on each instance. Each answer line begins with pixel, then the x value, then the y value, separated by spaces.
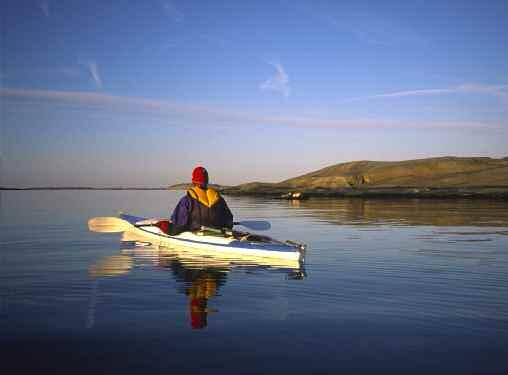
pixel 207 209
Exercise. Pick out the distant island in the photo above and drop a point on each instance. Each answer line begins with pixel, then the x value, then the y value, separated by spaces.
pixel 181 186
pixel 81 188
pixel 432 177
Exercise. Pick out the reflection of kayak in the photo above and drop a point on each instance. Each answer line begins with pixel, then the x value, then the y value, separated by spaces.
pixel 208 240
pixel 193 259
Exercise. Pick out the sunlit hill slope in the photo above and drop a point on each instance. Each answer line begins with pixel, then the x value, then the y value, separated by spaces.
pixel 413 176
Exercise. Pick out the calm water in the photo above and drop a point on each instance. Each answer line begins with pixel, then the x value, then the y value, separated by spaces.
pixel 398 286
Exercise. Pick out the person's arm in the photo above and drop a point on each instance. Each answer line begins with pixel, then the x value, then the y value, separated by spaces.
pixel 227 216
pixel 180 217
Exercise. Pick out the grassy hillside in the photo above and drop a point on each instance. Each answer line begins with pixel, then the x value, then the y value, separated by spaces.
pixel 432 173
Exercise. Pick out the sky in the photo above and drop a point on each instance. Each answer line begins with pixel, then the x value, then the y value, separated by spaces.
pixel 137 93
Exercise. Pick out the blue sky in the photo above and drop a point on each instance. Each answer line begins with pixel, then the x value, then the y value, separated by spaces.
pixel 137 93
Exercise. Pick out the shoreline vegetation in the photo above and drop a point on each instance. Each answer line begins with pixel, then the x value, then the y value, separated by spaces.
pixel 442 177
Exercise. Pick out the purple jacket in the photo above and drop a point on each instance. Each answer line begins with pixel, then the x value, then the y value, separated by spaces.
pixel 181 217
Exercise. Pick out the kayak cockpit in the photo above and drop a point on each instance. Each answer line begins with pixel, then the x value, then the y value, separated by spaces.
pixel 226 236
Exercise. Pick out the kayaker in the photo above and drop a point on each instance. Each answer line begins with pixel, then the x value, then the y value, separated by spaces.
pixel 201 206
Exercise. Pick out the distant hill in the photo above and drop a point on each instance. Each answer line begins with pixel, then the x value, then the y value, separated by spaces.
pixel 432 173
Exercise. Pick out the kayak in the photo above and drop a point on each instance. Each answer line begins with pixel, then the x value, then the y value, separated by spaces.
pixel 146 231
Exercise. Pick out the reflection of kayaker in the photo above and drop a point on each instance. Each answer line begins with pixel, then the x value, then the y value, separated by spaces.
pixel 204 283
pixel 202 206
pixel 199 292
pixel 198 277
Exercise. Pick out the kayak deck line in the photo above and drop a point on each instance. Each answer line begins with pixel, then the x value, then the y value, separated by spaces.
pixel 210 239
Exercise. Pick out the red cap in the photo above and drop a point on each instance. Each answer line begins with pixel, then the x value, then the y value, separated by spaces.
pixel 200 176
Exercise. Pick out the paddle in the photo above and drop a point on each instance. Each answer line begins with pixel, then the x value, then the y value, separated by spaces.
pixel 107 224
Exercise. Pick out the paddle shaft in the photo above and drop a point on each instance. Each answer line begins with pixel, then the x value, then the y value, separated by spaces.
pixel 115 224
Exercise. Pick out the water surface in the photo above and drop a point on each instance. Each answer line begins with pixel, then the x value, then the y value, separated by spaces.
pixel 401 286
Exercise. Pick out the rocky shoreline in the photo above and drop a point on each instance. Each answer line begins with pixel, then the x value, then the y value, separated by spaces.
pixel 407 192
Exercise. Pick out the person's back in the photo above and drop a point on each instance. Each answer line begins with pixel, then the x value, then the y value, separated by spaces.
pixel 201 207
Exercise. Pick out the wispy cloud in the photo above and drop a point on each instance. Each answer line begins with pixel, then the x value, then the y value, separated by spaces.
pixel 93 71
pixel 44 5
pixel 279 82
pixel 206 115
pixel 495 90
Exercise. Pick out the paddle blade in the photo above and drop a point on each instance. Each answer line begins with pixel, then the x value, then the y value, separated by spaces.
pixel 108 225
pixel 255 224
